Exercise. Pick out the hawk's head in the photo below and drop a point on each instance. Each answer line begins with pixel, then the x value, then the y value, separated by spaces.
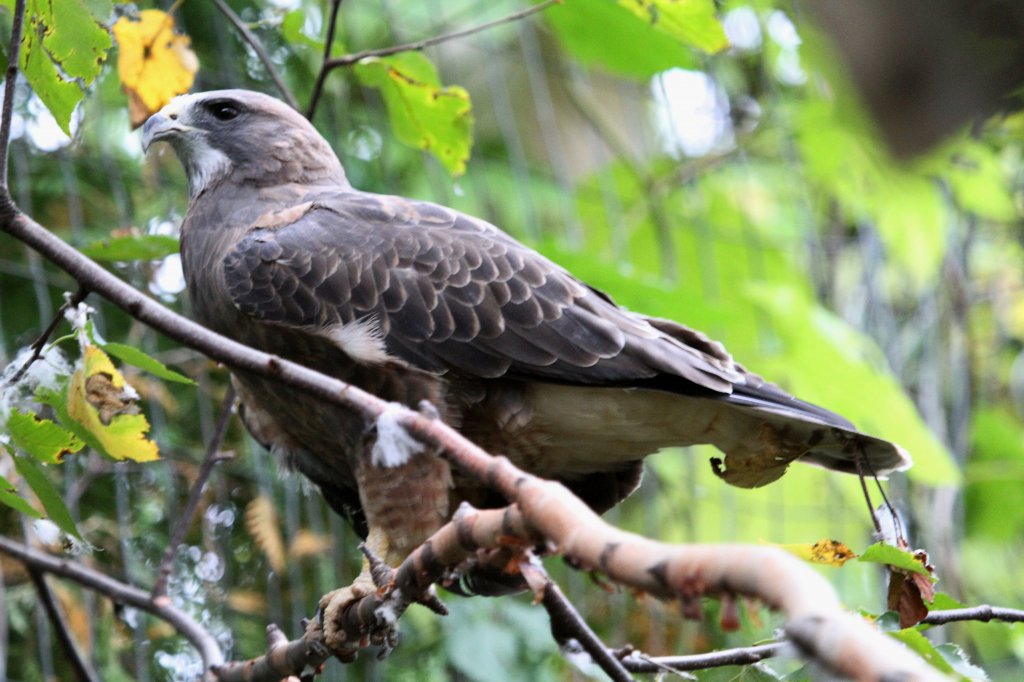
pixel 245 137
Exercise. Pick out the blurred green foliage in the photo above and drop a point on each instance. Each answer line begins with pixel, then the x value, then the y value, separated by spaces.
pixel 891 293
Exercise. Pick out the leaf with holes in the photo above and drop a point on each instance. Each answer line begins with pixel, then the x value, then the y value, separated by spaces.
pixel 827 552
pixel 424 114
pixel 62 44
pixel 104 404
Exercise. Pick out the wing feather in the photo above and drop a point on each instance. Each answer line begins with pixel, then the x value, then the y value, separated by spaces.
pixel 454 294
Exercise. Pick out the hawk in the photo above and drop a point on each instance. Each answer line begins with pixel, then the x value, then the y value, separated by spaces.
pixel 415 302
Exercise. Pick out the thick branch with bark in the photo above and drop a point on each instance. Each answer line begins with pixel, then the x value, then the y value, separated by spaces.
pixel 547 513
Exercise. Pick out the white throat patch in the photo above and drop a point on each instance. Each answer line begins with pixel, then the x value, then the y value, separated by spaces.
pixel 204 164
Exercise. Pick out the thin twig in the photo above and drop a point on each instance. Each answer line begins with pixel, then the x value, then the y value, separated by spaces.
pixel 204 642
pixel 347 60
pixel 260 51
pixel 639 663
pixel 567 624
pixel 867 494
pixel 213 455
pixel 13 52
pixel 40 343
pixel 318 87
pixel 983 613
pixel 78 663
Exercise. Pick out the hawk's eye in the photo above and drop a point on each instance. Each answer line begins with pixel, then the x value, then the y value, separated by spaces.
pixel 223 111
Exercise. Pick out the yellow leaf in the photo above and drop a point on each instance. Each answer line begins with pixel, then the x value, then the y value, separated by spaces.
pixel 829 552
pixel 262 524
pixel 308 544
pixel 76 617
pixel 246 601
pixel 102 403
pixel 153 62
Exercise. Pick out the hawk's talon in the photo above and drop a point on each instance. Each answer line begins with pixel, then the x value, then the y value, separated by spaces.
pixel 380 572
pixel 332 612
pixel 332 608
pixel 430 600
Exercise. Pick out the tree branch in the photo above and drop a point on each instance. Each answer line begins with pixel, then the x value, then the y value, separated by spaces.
pixel 13 51
pixel 321 77
pixel 82 669
pixel 260 51
pixel 547 511
pixel 40 343
pixel 567 625
pixel 983 613
pixel 122 593
pixel 212 457
pixel 639 663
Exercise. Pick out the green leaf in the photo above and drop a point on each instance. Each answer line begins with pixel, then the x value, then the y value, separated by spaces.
pixel 888 621
pixel 423 113
pixel 480 647
pixel 882 553
pixel 135 357
pixel 920 645
pixel 906 207
pixel 59 95
pixel 52 502
pixel 995 475
pixel 75 40
pixel 61 39
pixel 293 30
pixel 943 602
pixel 979 182
pixel 58 401
pixel 961 662
pixel 691 22
pixel 42 438
pixel 132 247
pixel 605 34
pixel 9 496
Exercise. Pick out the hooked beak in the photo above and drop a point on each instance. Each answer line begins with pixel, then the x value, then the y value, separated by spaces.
pixel 165 124
pixel 159 127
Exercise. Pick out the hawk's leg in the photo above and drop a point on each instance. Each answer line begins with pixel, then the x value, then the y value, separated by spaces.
pixel 404 504
pixel 333 604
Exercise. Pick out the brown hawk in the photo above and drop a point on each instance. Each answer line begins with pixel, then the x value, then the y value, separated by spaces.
pixel 413 301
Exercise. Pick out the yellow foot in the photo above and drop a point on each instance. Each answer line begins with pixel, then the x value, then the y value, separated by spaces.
pixel 333 606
